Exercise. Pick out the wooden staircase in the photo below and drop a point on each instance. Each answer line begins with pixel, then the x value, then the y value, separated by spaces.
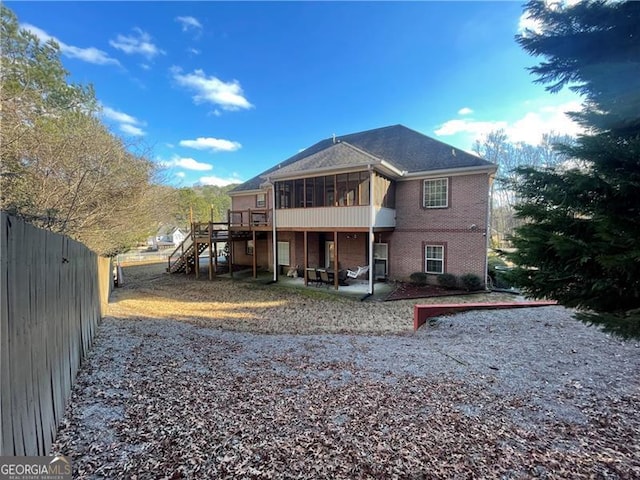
pixel 241 226
pixel 199 239
pixel 186 260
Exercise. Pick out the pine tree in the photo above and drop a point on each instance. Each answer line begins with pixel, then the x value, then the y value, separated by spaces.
pixel 580 243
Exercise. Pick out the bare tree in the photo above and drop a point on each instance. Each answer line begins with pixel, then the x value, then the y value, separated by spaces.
pixel 509 156
pixel 61 167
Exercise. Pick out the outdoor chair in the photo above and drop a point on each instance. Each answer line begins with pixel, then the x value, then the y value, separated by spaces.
pixel 324 278
pixel 358 272
pixel 312 277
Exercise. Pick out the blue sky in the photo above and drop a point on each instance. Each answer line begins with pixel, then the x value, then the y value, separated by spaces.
pixel 219 91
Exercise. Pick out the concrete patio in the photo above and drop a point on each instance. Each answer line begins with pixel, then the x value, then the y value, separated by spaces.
pixel 356 288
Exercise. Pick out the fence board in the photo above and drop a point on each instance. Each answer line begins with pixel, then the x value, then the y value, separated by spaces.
pixel 29 424
pixel 39 313
pixel 16 347
pixel 6 429
pixel 46 400
pixel 53 291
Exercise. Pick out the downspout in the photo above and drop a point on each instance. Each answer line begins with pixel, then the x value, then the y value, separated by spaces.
pixel 273 234
pixel 488 232
pixel 372 218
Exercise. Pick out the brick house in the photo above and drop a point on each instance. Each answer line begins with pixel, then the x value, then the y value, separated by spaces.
pixel 390 198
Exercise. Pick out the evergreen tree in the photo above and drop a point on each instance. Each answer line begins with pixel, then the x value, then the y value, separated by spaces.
pixel 580 243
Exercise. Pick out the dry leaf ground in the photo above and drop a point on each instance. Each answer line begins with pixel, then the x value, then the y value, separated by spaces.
pixel 511 394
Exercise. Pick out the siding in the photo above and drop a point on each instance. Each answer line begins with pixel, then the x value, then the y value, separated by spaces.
pixel 334 217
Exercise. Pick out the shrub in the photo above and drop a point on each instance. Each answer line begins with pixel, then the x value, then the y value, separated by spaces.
pixel 418 278
pixel 495 261
pixel 501 279
pixel 498 271
pixel 471 282
pixel 448 281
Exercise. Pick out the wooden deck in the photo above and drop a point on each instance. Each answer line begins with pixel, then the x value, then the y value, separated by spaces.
pixel 241 225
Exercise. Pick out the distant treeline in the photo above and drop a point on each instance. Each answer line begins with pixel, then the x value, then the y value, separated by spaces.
pixel 203 200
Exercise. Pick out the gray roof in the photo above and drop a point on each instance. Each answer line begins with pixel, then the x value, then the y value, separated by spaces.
pixel 334 156
pixel 405 149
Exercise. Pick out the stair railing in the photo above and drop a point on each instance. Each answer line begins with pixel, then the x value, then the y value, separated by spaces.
pixel 184 246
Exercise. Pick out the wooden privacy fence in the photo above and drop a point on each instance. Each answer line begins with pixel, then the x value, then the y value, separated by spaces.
pixel 52 294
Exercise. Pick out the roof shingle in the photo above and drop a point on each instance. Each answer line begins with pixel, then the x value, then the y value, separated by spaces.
pixel 402 147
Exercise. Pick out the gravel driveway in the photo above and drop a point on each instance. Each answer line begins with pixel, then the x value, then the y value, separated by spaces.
pixel 527 393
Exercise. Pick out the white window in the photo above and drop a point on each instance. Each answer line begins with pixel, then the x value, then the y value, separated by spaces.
pixel 249 249
pixel 434 258
pixel 283 253
pixel 261 200
pixel 381 250
pixel 436 193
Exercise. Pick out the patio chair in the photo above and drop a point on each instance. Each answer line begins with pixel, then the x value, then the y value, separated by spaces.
pixel 358 272
pixel 312 277
pixel 324 278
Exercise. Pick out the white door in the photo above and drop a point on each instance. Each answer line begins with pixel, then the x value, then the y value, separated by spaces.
pixel 328 253
pixel 380 260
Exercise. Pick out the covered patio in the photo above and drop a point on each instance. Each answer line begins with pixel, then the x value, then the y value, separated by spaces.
pixel 342 257
pixel 355 289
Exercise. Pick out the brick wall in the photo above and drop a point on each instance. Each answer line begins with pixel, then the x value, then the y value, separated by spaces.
pixel 352 251
pixel 243 202
pixel 460 227
pixel 246 202
pixel 263 247
pixel 297 254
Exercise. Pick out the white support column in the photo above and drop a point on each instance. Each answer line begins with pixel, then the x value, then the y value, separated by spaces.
pixel 273 234
pixel 372 219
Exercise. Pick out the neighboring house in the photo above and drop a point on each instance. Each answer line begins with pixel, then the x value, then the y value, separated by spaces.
pixel 391 198
pixel 168 236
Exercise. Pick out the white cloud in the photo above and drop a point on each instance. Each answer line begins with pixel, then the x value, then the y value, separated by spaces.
pixel 528 24
pixel 137 43
pixel 465 111
pixel 529 128
pixel 213 144
pixel 228 95
pixel 132 130
pixel 127 123
pixel 89 54
pixel 533 125
pixel 117 116
pixel 181 174
pixel 193 51
pixel 186 163
pixel 220 182
pixel 453 127
pixel 189 23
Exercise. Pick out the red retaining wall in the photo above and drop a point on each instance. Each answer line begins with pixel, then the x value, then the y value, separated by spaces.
pixel 422 312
